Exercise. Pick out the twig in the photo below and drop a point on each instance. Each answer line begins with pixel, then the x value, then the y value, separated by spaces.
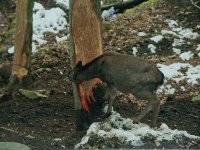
pixel 194 116
pixel 195 4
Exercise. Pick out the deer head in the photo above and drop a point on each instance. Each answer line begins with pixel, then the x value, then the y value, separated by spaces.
pixel 75 71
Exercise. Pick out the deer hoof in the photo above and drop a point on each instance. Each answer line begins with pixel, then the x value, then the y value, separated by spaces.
pixel 153 125
pixel 136 120
pixel 107 115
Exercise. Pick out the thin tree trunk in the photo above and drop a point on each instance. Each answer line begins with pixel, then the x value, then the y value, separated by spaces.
pixel 23 43
pixel 86 43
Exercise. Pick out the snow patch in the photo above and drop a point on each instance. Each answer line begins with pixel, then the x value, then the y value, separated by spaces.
pixel 186 55
pixel 167 89
pixel 60 39
pixel 198 47
pixel 176 50
pixel 134 51
pixel 108 14
pixel 124 129
pixel 157 38
pixel 64 3
pixel 178 42
pixel 152 48
pixel 171 23
pixel 173 72
pixel 11 50
pixel 141 34
pixel 165 32
pixel 52 20
pixel 180 33
pixel 188 34
pixel 183 88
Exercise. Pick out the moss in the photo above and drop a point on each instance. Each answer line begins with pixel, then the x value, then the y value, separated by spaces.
pixel 106 26
pixel 143 5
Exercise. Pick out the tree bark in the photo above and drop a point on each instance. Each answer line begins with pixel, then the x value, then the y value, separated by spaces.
pixel 86 43
pixel 23 43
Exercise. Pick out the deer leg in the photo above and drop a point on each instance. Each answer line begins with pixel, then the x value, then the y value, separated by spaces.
pixel 110 95
pixel 156 109
pixel 143 113
pixel 154 105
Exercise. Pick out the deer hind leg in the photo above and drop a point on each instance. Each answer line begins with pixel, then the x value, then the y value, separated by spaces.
pixel 110 94
pixel 156 109
pixel 153 105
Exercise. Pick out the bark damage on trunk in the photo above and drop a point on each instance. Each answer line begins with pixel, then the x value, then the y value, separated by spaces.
pixel 23 46
pixel 23 39
pixel 86 41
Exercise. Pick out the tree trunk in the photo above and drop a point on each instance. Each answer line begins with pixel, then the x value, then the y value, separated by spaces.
pixel 23 43
pixel 86 44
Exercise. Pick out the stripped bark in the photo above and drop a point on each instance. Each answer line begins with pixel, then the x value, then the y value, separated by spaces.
pixel 23 44
pixel 86 43
pixel 23 38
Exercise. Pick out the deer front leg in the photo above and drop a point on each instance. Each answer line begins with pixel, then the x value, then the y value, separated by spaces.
pixel 110 94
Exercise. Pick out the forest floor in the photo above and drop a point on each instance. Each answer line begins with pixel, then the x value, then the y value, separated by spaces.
pixel 49 123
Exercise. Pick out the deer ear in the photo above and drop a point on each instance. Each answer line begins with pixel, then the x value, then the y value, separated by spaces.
pixel 79 64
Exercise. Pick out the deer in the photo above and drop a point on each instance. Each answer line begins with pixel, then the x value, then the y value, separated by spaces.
pixel 124 73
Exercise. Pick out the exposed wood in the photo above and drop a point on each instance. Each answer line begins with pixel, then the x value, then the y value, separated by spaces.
pixel 120 7
pixel 23 38
pixel 86 43
pixel 23 46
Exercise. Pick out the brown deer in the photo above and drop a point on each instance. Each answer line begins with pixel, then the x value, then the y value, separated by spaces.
pixel 127 74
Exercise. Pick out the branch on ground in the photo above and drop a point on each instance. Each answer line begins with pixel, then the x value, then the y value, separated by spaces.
pixel 196 4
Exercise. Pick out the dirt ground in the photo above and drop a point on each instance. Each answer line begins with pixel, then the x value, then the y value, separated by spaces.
pixel 49 123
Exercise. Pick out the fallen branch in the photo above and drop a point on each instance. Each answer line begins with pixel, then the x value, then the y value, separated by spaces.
pixel 120 7
pixel 195 3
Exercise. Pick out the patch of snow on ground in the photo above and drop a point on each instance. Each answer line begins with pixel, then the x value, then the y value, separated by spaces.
pixel 64 38
pixel 134 51
pixel 152 48
pixel 183 88
pixel 176 50
pixel 193 74
pixel 178 42
pixel 108 14
pixel 188 34
pixel 180 33
pixel 165 32
pixel 167 89
pixel 157 38
pixel 173 72
pixel 171 23
pixel 124 129
pixel 186 55
pixel 52 20
pixel 141 34
pixel 64 3
pixel 198 50
pixel 198 47
pixel 11 50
